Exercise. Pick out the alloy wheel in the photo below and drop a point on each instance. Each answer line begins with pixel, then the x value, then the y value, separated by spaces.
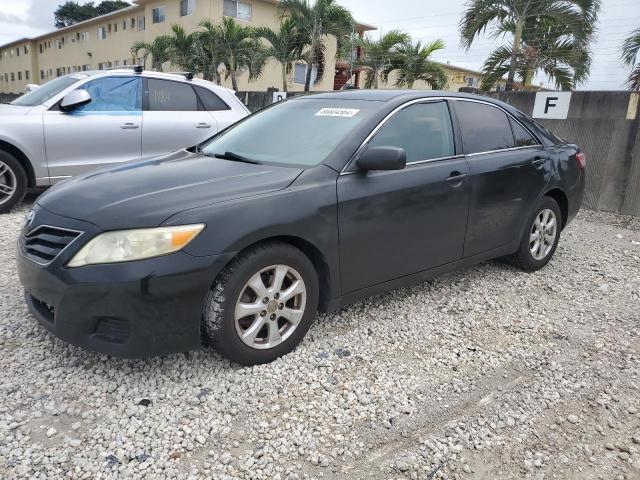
pixel 543 234
pixel 270 306
pixel 8 183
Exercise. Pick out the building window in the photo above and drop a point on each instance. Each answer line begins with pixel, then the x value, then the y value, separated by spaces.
pixel 84 36
pixel 58 44
pixel 300 74
pixel 235 9
pixel 26 75
pixel 187 7
pixel 124 25
pixel 13 77
pixel 141 23
pixel 40 48
pixel 85 67
pixel 102 33
pixel 41 74
pixel 19 75
pixel 18 52
pixel 115 27
pixel 157 15
pixel 26 49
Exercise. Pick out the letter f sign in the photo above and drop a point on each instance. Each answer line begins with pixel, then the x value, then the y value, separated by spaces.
pixel 551 102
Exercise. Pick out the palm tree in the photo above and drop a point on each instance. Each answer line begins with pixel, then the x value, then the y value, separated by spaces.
pixel 413 64
pixel 182 48
pixel 630 50
pixel 316 20
pixel 546 46
pixel 208 51
pixel 158 49
pixel 377 55
pixel 516 17
pixel 235 46
pixel 287 45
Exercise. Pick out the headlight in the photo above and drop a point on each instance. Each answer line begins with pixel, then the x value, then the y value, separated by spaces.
pixel 128 245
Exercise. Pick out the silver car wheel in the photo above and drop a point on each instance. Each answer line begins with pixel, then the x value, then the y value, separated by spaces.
pixel 270 307
pixel 8 183
pixel 543 234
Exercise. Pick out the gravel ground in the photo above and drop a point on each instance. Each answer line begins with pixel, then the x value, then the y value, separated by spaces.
pixel 483 374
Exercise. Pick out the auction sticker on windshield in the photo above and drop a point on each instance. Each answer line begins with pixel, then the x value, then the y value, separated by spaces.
pixel 337 112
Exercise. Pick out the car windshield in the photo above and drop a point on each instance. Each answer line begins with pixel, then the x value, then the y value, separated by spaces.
pixel 48 90
pixel 298 133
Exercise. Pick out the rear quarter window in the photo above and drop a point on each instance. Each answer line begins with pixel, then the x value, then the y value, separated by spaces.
pixel 211 101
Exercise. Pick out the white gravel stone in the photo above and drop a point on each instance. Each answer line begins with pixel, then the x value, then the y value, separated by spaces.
pixel 476 371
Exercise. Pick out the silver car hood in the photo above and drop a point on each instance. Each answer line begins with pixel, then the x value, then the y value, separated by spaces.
pixel 6 109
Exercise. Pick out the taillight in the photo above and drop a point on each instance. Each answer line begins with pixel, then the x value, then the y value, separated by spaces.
pixel 581 158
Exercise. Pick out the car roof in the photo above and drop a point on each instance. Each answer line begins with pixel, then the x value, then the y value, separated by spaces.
pixel 389 95
pixel 180 77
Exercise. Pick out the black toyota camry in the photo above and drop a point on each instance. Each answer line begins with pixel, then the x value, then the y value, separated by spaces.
pixel 310 204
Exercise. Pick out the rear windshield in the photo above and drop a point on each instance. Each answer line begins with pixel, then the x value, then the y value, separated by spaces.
pixel 300 132
pixel 48 90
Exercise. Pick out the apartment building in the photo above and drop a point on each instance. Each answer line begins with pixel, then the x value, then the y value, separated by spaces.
pixel 105 42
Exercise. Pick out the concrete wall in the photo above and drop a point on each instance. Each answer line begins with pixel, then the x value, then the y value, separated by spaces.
pixel 605 125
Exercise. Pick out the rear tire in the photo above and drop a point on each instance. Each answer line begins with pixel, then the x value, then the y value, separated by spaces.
pixel 13 182
pixel 540 238
pixel 262 304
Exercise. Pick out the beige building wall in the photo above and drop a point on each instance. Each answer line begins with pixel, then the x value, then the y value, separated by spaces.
pixel 80 47
pixel 17 66
pixel 457 77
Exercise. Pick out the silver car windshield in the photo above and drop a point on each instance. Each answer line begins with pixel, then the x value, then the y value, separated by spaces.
pixel 301 132
pixel 48 90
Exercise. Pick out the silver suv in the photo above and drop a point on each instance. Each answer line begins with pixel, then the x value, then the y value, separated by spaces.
pixel 87 120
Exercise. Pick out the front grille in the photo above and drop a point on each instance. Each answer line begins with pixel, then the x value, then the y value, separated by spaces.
pixel 44 243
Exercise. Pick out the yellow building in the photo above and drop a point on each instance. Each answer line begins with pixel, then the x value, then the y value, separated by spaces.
pixel 105 42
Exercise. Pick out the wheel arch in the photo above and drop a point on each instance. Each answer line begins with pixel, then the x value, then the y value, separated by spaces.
pixel 22 158
pixel 563 202
pixel 313 253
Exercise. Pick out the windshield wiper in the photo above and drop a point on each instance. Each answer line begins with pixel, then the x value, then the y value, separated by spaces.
pixel 235 157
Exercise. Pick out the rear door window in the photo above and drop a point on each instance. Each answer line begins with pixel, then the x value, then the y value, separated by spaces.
pixel 168 96
pixel 484 127
pixel 522 137
pixel 423 130
pixel 211 101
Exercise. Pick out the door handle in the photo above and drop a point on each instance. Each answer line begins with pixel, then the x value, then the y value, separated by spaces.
pixel 456 178
pixel 129 126
pixel 203 125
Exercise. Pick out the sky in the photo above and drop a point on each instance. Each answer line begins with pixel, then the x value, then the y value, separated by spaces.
pixel 424 19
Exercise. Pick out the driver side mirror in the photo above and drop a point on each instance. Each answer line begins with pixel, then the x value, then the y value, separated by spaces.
pixel 382 158
pixel 74 100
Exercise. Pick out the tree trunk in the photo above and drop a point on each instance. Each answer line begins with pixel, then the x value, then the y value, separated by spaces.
pixel 307 81
pixel 517 39
pixel 284 78
pixel 528 80
pixel 234 80
pixel 376 78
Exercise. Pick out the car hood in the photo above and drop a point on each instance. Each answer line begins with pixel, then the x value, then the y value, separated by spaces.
pixel 6 109
pixel 145 193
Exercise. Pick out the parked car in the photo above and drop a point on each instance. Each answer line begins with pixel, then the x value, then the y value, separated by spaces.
pixel 78 122
pixel 312 203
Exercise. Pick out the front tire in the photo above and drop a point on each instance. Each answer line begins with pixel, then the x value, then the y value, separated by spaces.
pixel 13 182
pixel 262 304
pixel 541 237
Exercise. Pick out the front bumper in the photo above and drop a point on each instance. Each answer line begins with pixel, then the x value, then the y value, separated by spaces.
pixel 132 310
